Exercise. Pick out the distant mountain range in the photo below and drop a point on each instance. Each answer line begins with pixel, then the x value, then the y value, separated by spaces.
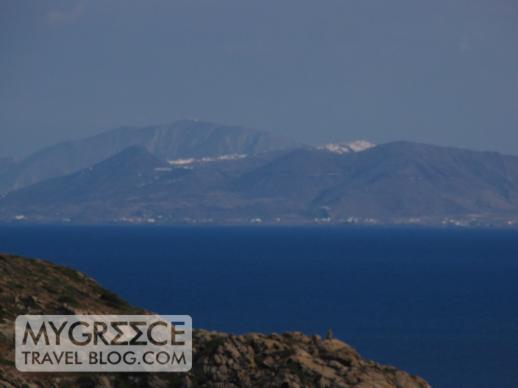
pixel 182 139
pixel 192 172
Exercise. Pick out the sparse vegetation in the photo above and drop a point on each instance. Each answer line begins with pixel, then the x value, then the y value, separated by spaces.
pixel 219 359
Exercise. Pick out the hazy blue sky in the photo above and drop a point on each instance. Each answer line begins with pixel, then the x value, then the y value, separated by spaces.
pixel 442 71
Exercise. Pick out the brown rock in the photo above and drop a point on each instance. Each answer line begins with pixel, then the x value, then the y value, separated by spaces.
pixel 220 360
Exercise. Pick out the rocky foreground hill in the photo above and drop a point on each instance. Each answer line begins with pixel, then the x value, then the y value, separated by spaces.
pixel 220 359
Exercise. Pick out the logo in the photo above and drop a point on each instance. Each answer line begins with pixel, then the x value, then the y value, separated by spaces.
pixel 103 343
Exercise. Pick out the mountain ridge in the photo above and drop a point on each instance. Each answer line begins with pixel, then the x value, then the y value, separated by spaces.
pixel 181 139
pixel 392 183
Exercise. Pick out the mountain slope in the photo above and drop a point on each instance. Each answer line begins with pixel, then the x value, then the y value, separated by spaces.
pixel 6 164
pixel 182 139
pixel 132 186
pixel 219 359
pixel 412 180
pixel 392 183
pixel 395 180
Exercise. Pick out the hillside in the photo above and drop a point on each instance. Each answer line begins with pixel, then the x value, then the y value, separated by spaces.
pixel 394 183
pixel 220 360
pixel 182 139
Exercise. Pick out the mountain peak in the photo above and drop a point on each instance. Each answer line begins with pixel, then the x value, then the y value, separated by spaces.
pixel 396 182
pixel 345 148
pixel 182 139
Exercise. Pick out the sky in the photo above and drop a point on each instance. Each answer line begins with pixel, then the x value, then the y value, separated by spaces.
pixel 442 71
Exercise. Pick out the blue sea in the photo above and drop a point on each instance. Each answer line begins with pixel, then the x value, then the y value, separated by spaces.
pixel 439 303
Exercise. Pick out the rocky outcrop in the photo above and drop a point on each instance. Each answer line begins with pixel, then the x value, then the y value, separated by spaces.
pixel 287 360
pixel 220 359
